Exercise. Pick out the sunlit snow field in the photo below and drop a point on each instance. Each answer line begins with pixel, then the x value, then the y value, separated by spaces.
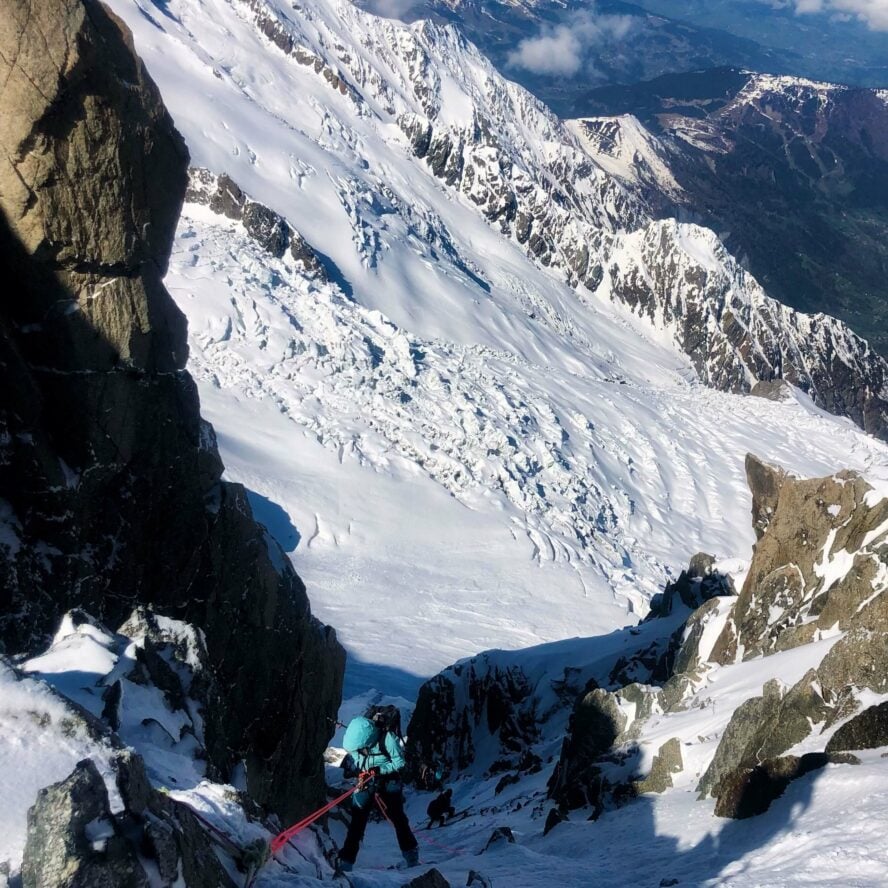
pixel 459 452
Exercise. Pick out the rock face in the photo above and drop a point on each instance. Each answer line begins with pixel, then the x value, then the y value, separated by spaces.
pixel 110 491
pixel 818 568
pixel 73 840
pixel 816 565
pixel 270 230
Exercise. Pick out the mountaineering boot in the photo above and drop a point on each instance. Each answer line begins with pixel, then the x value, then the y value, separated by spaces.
pixel 411 858
pixel 344 866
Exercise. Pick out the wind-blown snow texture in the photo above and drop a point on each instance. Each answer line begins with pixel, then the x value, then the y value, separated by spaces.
pixel 459 438
pixel 458 449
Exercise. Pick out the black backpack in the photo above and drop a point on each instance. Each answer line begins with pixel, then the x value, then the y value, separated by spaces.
pixel 387 719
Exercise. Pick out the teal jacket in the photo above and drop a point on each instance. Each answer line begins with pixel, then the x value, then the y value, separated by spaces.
pixel 368 750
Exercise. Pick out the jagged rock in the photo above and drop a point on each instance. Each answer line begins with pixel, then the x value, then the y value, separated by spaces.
pixel 694 586
pixel 764 482
pixel 500 699
pixel 596 723
pixel 772 390
pixel 553 818
pixel 791 592
pixel 228 199
pixel 166 830
pixel 666 762
pixel 747 793
pixel 132 782
pixel 306 258
pixel 505 782
pixel 500 835
pixel 429 879
pixel 762 728
pixel 109 473
pixel 267 228
pixel 868 730
pixel 160 840
pixel 73 840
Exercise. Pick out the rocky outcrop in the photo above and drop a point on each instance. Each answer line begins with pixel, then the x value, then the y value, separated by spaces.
pixel 74 840
pixel 666 762
pixel 868 730
pixel 817 566
pixel 749 793
pixel 110 491
pixel 500 704
pixel 817 570
pixel 269 229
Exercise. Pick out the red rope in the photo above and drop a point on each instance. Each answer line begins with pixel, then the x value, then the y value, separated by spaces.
pixel 281 839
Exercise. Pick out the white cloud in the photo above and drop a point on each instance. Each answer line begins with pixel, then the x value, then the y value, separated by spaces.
pixel 396 9
pixel 873 12
pixel 562 49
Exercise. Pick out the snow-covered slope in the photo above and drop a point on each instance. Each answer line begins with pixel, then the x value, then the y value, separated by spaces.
pixel 480 135
pixel 458 436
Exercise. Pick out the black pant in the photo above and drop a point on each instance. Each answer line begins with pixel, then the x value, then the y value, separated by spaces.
pixel 393 803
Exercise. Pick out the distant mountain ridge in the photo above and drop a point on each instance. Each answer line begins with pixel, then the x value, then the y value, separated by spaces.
pixel 792 173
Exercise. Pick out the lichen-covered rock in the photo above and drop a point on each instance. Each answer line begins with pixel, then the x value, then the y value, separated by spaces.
pixel 867 730
pixel 764 727
pixel 667 761
pixel 107 471
pixel 73 840
pixel 747 793
pixel 818 564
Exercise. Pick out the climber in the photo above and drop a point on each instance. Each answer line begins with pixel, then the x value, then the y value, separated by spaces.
pixel 377 753
pixel 440 808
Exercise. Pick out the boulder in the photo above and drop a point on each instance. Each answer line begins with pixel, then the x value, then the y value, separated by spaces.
pixel 666 762
pixel 430 879
pixel 868 730
pixel 762 728
pixel 73 841
pixel 749 792
pixel 553 818
pixel 502 835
